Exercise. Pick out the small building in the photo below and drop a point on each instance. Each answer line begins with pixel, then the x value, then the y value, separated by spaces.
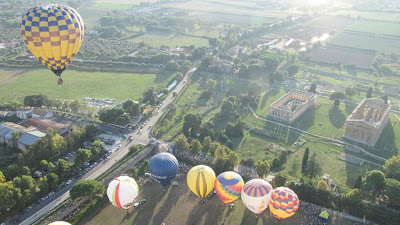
pixel 43 124
pixel 41 114
pixel 6 114
pixel 6 132
pixel 29 138
pixel 24 114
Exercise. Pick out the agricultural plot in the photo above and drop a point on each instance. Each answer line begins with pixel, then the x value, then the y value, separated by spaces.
pixel 376 27
pixel 78 85
pixel 379 16
pixel 7 76
pixel 228 18
pixel 332 54
pixel 179 206
pixel 156 39
pixel 367 42
pixel 112 6
pixel 137 2
pixel 317 26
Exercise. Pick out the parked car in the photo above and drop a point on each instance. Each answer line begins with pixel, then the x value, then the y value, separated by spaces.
pixel 142 201
pixel 51 193
pixel 69 182
pixel 136 205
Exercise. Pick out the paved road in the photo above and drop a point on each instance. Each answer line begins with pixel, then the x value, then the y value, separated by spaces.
pixel 144 137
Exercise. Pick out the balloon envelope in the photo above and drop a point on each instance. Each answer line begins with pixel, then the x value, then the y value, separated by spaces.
pixel 122 192
pixel 228 186
pixel 59 223
pixel 284 203
pixel 200 180
pixel 256 194
pixel 53 34
pixel 163 167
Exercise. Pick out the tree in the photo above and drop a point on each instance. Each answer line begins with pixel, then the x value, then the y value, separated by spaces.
pixel 313 88
pixel 305 160
pixel 392 191
pixel 191 125
pixel 182 144
pixel 276 76
pixel 392 167
pixel 97 148
pixel 233 159
pixel 374 182
pixel 52 180
pixel 385 98
pixel 206 144
pixel 262 168
pixel 369 92
pixel 150 96
pixel 75 106
pixel 280 179
pixel 90 131
pixel 336 95
pixel 255 88
pixel 213 42
pixel 358 182
pixel 210 84
pixel 227 109
pixel 81 156
pixel 62 168
pixel 293 69
pixel 15 138
pixel 172 65
pixel 2 178
pixel 349 91
pixel 87 189
pixel 133 149
pixel 195 147
pixel 220 152
pixel 7 195
pixel 313 167
pixel 323 185
pixel 355 195
pixel 336 103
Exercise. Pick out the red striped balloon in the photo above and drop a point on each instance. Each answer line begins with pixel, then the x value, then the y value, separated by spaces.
pixel 284 203
pixel 122 192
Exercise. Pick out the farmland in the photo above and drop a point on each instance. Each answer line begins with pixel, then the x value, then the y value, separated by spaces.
pixel 376 27
pixel 78 85
pixel 333 54
pixel 363 41
pixel 157 39
pixel 166 207
pixel 7 76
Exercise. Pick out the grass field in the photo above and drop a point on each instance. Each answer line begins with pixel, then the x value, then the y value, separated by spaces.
pixel 179 206
pixel 267 99
pixel 382 16
pixel 157 39
pixel 122 1
pixel 344 56
pixel 78 85
pixel 112 6
pixel 376 27
pixel 8 75
pixel 361 41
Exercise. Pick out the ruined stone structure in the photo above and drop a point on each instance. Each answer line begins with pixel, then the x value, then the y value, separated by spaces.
pixel 366 123
pixel 289 107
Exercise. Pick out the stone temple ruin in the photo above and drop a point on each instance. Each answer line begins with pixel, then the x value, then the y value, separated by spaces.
pixel 366 123
pixel 292 105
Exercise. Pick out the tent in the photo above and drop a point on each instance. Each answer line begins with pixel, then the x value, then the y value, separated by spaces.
pixel 324 216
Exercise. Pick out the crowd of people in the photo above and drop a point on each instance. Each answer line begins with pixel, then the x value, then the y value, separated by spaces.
pixel 311 214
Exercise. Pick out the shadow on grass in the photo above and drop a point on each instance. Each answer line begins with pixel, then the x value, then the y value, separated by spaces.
pixel 170 202
pixel 162 76
pixel 336 117
pixel 266 96
pixel 386 143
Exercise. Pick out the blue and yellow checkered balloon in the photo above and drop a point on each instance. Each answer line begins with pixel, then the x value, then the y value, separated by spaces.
pixel 53 34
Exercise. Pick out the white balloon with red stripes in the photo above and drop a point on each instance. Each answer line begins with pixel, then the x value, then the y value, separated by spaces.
pixel 122 192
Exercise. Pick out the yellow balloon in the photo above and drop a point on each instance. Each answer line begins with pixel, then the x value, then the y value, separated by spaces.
pixel 59 223
pixel 200 180
pixel 53 34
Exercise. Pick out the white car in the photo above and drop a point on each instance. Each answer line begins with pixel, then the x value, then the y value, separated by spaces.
pixel 51 193
pixel 69 182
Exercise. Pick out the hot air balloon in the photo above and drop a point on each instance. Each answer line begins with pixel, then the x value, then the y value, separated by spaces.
pixel 256 194
pixel 228 186
pixel 284 203
pixel 59 223
pixel 163 167
pixel 53 34
pixel 200 180
pixel 122 192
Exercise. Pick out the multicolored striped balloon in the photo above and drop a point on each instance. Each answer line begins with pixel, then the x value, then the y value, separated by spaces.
pixel 256 194
pixel 284 203
pixel 59 223
pixel 228 186
pixel 53 34
pixel 200 180
pixel 122 192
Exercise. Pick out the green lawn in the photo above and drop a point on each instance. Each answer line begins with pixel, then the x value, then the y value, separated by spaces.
pixel 267 99
pixel 369 42
pixel 112 6
pixel 78 84
pixel 376 27
pixel 179 206
pixel 157 39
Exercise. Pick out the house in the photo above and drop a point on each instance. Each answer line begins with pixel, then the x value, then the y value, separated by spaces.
pixel 43 124
pixel 41 114
pixel 24 113
pixel 6 132
pixel 28 138
pixel 6 114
